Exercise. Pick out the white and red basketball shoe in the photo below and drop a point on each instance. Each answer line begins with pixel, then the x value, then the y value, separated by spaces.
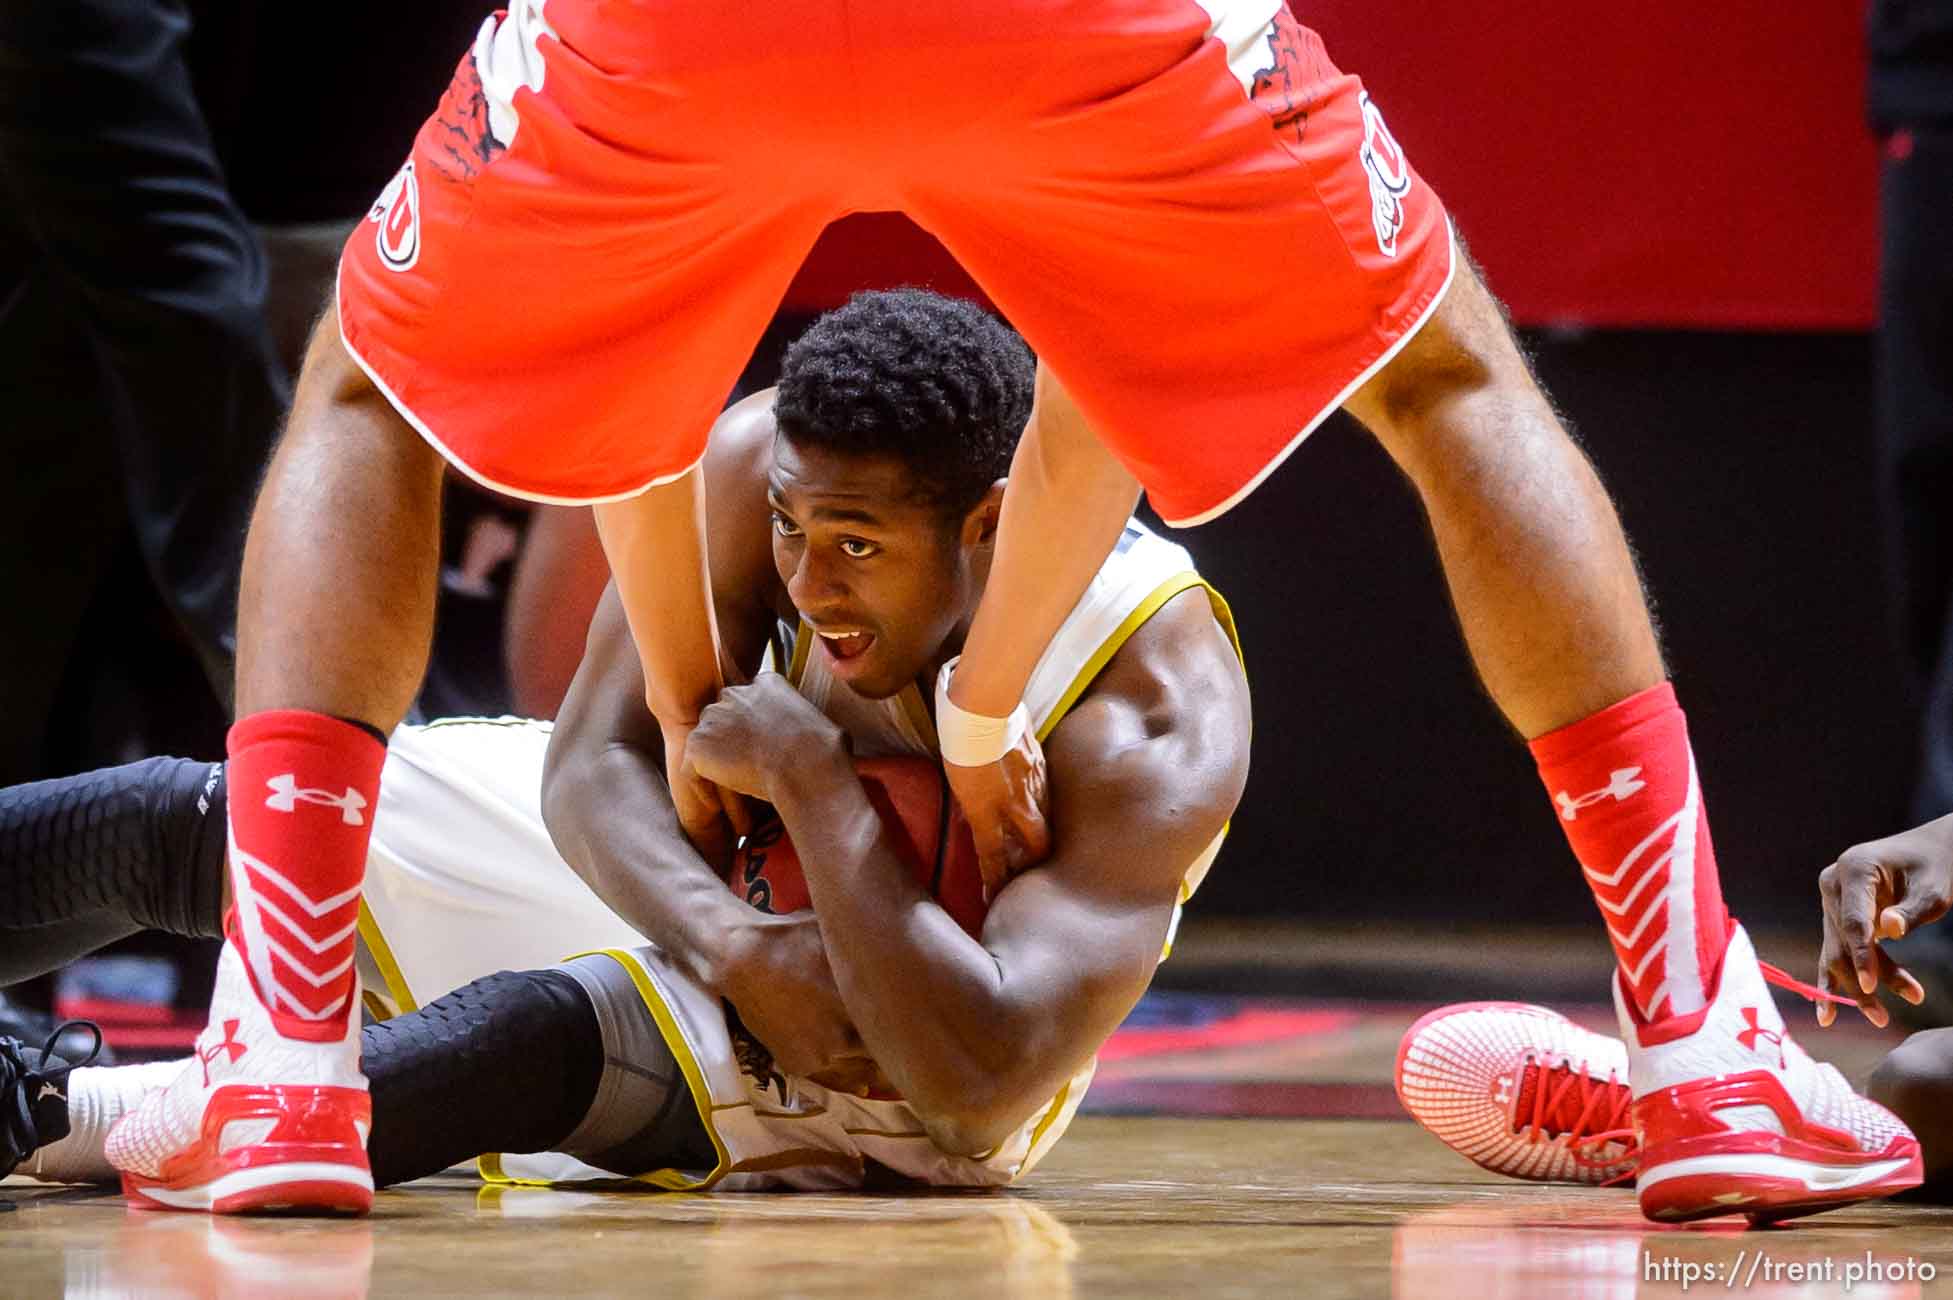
pixel 256 1121
pixel 1734 1118
pixel 1520 1090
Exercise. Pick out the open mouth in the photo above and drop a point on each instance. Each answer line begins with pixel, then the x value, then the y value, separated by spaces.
pixel 846 645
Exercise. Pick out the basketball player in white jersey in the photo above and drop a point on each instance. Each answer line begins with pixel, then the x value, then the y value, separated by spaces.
pixel 853 515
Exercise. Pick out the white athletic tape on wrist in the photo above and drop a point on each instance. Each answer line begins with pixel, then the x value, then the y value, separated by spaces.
pixel 971 739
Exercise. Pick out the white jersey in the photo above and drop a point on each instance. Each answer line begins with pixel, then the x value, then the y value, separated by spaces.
pixel 463 880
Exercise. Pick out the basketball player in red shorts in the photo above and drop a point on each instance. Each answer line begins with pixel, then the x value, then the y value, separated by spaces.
pixel 1211 239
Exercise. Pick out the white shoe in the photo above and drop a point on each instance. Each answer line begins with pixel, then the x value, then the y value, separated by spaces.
pixel 256 1120
pixel 1520 1090
pixel 1734 1118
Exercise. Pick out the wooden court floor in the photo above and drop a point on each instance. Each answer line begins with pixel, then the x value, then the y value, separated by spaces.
pixel 1125 1206
pixel 1167 1189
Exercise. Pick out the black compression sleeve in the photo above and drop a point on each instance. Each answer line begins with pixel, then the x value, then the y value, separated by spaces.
pixel 143 843
pixel 510 1062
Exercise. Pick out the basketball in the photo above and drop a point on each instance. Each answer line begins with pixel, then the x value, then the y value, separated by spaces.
pixel 912 796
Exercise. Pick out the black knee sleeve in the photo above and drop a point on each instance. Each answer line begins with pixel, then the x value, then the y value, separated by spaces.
pixel 28 951
pixel 143 843
pixel 507 1063
pixel 1915 1082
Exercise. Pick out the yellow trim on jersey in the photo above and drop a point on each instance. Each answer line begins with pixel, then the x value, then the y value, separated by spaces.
pixel 1050 1116
pixel 376 944
pixel 918 711
pixel 671 1180
pixel 1154 602
pixel 797 666
pixel 1225 617
pixel 909 699
pixel 1143 611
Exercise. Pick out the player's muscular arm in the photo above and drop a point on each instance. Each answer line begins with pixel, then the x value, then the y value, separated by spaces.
pixel 1538 567
pixel 609 810
pixel 605 798
pixel 979 1034
pixel 610 814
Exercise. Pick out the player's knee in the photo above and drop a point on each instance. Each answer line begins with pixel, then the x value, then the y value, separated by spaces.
pixel 184 893
pixel 1915 1082
pixel 327 362
pixel 1466 351
pixel 338 400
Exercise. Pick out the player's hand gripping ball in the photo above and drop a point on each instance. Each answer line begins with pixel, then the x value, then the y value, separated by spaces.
pixel 929 834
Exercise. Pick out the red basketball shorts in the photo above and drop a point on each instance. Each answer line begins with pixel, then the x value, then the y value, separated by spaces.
pixel 1202 226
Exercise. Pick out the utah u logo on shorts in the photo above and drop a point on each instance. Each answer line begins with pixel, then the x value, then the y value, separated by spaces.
pixel 1390 177
pixel 397 213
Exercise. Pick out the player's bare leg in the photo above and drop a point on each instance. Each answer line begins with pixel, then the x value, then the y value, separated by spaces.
pixel 1732 1116
pixel 1067 502
pixel 336 616
pixel 336 613
pixel 655 543
pixel 1538 567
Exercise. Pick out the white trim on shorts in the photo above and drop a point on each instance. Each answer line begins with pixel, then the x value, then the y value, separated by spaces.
pixel 448 453
pixel 1389 355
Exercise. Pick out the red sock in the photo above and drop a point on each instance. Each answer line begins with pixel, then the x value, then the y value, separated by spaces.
pixel 1623 783
pixel 302 790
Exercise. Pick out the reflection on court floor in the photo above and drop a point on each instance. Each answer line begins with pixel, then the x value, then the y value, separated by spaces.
pixel 1124 1207
pixel 1231 1146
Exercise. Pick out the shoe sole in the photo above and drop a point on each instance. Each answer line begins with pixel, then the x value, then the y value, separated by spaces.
pixel 1766 1187
pixel 1442 1013
pixel 1597 1177
pixel 311 1158
pixel 298 1186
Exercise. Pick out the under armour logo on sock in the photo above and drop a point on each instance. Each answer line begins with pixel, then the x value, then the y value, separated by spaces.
pixel 286 796
pixel 230 1047
pixel 1620 784
pixel 1756 1033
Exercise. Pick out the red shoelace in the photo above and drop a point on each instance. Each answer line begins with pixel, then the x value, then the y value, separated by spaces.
pixel 1591 1113
pixel 1809 992
pixel 1588 1113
